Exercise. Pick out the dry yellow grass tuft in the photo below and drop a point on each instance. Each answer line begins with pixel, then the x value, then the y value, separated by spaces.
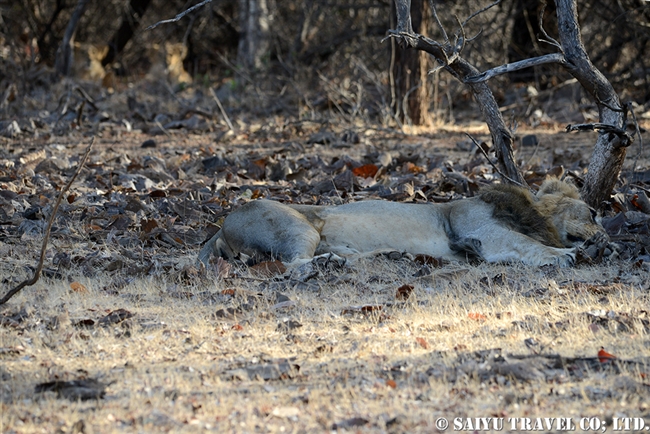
pixel 339 352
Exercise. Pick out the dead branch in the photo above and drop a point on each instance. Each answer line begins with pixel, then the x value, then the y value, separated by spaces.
pixel 625 137
pixel 557 58
pixel 449 57
pixel 435 15
pixel 179 16
pixel 622 138
pixel 608 155
pixel 223 112
pixel 609 152
pixel 494 166
pixel 480 11
pixel 64 56
pixel 548 39
pixel 637 131
pixel 46 235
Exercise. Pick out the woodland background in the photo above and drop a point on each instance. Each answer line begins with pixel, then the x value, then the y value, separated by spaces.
pixel 315 55
pixel 300 102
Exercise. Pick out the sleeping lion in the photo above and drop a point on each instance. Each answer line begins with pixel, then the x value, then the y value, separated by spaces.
pixel 503 223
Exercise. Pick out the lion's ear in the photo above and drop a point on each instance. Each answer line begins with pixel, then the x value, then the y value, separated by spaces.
pixel 555 186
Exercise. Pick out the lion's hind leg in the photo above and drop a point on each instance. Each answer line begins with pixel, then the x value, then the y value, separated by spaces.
pixel 268 228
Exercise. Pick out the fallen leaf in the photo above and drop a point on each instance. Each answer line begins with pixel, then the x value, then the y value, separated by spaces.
pixel 366 308
pixel 237 327
pixel 158 193
pixel 391 383
pixel 148 225
pixel 350 423
pixel 428 260
pixel 365 171
pixel 270 371
pixel 115 317
pixel 422 342
pixel 604 356
pixel 286 412
pixel 412 168
pixel 74 390
pixel 404 292
pixel 78 287
pixel 268 269
pixel 477 316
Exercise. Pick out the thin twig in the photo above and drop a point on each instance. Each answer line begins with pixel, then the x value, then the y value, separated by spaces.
pixel 162 128
pixel 480 12
pixel 46 236
pixel 223 112
pixel 179 16
pixel 548 39
pixel 87 97
pixel 435 15
pixel 638 134
pixel 606 128
pixel 478 145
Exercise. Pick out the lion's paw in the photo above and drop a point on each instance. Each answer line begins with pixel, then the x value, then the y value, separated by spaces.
pixel 562 258
pixel 329 260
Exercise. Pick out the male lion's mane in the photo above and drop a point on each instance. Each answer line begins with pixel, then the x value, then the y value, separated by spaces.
pixel 520 210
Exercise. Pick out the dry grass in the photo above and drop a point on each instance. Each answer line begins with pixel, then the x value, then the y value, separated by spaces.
pixel 175 367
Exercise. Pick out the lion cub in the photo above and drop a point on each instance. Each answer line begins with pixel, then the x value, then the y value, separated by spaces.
pixel 504 223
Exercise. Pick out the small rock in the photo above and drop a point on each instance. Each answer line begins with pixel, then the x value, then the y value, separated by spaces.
pixel 529 140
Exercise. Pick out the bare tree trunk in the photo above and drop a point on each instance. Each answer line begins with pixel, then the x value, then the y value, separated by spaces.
pixel 64 55
pixel 449 57
pixel 409 85
pixel 130 21
pixel 609 153
pixel 254 43
pixel 524 41
pixel 45 40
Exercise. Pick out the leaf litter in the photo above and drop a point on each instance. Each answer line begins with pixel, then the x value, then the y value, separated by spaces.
pixel 145 204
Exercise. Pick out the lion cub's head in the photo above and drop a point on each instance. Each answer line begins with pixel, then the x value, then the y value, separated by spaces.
pixel 573 218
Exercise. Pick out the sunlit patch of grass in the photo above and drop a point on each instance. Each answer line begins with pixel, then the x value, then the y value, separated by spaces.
pixel 176 366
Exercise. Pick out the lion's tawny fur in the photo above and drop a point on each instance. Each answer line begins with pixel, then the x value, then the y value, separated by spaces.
pixel 555 186
pixel 520 210
pixel 503 223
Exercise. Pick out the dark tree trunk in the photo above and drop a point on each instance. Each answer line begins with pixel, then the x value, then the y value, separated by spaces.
pixel 409 85
pixel 64 55
pixel 608 156
pixel 450 58
pixel 524 42
pixel 130 21
pixel 254 19
pixel 46 43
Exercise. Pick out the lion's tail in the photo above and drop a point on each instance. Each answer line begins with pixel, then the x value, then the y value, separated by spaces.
pixel 215 246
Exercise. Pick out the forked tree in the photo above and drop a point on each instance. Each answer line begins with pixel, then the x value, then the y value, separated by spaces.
pixel 610 148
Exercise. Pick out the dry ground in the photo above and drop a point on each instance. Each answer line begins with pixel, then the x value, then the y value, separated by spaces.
pixel 462 345
pixel 159 346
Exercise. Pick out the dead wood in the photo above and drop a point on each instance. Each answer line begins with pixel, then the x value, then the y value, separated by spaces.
pixel 179 16
pixel 448 55
pixel 130 20
pixel 64 55
pixel 46 235
pixel 608 156
pixel 609 151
